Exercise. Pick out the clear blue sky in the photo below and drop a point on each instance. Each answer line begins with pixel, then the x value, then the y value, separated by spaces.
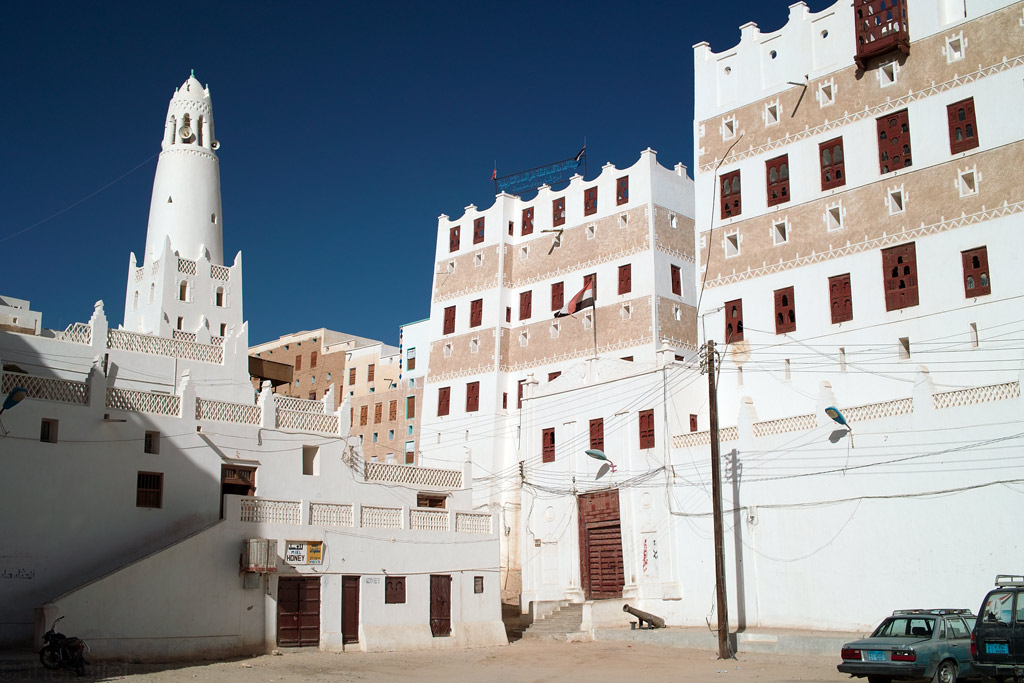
pixel 346 129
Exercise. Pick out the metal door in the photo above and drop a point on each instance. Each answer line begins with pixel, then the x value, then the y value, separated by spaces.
pixel 298 611
pixel 441 605
pixel 350 609
pixel 601 569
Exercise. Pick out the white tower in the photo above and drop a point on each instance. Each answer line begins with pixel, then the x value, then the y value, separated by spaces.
pixel 183 289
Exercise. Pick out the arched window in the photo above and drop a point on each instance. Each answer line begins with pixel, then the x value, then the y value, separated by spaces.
pixel 183 291
pixel 826 158
pixel 220 296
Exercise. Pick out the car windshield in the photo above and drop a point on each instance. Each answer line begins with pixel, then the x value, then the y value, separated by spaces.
pixel 998 608
pixel 898 627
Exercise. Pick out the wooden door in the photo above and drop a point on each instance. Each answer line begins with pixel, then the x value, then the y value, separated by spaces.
pixel 441 605
pixel 350 609
pixel 601 570
pixel 298 611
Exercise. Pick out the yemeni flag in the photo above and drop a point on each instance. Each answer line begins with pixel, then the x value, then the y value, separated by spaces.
pixel 584 298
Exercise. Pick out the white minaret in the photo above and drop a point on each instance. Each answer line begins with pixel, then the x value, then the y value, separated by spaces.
pixel 186 191
pixel 182 288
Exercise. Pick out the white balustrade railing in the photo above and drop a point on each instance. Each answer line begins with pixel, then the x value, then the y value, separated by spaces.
pixel 301 405
pixel 875 411
pixel 222 411
pixel 47 388
pixel 307 422
pixel 373 517
pixel 421 519
pixel 182 335
pixel 217 341
pixel 186 266
pixel 219 272
pixel 415 476
pixel 473 522
pixel 331 514
pixel 786 424
pixel 271 511
pixel 143 401
pixel 162 346
pixel 983 394
pixel 79 333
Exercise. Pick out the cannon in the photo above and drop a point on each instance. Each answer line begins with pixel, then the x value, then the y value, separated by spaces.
pixel 652 621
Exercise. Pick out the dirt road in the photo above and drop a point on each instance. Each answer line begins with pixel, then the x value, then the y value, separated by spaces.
pixel 526 661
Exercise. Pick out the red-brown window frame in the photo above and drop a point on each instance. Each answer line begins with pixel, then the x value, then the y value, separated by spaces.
pixel 312 360
pixel 899 272
pixel 880 28
pixel 677 279
pixel 894 151
pixel 527 228
pixel 557 296
pixel 646 423
pixel 298 362
pixel 444 399
pixel 976 274
pixel 351 375
pixel 410 407
pixel 472 397
pixel 833 173
pixel 969 134
pixel 778 189
pixel 394 590
pixel 478 230
pixel 449 320
pixel 393 410
pixel 558 211
pixel 625 279
pixel 378 412
pixel 525 304
pixel 547 440
pixel 364 415
pixel 622 190
pixel 731 200
pixel 597 434
pixel 590 201
pixel 453 239
pixel 476 312
pixel 840 295
pixel 785 311
pixel 370 372
pixel 733 321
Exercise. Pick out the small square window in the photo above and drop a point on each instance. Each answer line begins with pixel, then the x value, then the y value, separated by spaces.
pixel 48 430
pixel 904 348
pixel 311 461
pixel 834 217
pixel 394 590
pixel 450 268
pixel 896 203
pixel 524 338
pixel 826 93
pixel 677 313
pixel 588 320
pixel 151 442
pixel 623 220
pixel 375 437
pixel 478 584
pixel 556 328
pixel 591 232
pixel 478 260
pixel 968 182
pixel 729 128
pixel 447 350
pixel 391 435
pixel 149 491
pixel 887 74
pixel 524 253
pixel 732 245
pixel 474 345
pixel 673 221
pixel 626 312
pixel 975 340
pixel 780 233
pixel 955 48
pixel 771 113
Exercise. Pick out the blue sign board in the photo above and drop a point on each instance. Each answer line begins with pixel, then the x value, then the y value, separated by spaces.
pixel 525 181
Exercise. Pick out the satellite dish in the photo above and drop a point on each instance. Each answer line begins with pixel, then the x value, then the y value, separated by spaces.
pixel 14 398
pixel 185 132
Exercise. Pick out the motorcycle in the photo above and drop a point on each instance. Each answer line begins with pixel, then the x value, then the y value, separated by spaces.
pixel 62 652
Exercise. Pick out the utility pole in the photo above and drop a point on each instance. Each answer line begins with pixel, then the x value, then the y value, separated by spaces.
pixel 716 503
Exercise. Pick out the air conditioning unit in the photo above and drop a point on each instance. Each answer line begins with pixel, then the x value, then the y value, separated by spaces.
pixel 259 555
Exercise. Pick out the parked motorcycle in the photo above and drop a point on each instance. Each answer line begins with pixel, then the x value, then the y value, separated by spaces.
pixel 62 652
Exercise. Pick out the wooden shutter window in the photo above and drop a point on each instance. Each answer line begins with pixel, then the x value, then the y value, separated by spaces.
pixel 963 126
pixel 472 397
pixel 394 590
pixel 369 372
pixel 899 266
pixel 833 168
pixel 625 279
pixel 410 407
pixel 548 444
pixel 590 201
pixel 881 27
pixel 298 363
pixel 478 231
pixel 351 375
pixel 597 434
pixel 976 279
pixel 622 190
pixel 785 311
pixel 312 360
pixel 731 201
pixel 393 410
pixel 558 212
pixel 557 296
pixel 733 321
pixel 840 298
pixel 777 170
pixel 525 304
pixel 453 239
pixel 693 422
pixel 677 280
pixel 412 359
pixel 449 320
pixel 646 429
pixel 378 413
pixel 444 397
pixel 364 415
pixel 527 222
pixel 476 312
pixel 893 141
pixel 149 491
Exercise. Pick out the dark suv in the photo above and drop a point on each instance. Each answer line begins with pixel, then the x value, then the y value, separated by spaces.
pixel 997 645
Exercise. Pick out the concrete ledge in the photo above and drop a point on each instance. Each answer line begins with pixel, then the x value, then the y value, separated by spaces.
pixel 778 641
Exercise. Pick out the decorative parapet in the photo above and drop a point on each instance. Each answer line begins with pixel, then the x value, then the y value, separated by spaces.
pixel 182 335
pixel 143 401
pixel 162 346
pixel 222 411
pixel 372 517
pixel 47 388
pixel 472 522
pixel 875 411
pixel 796 423
pixel 331 514
pixel 428 520
pixel 271 511
pixel 307 422
pixel 299 405
pixel 986 394
pixel 217 341
pixel 219 272
pixel 413 476
pixel 186 266
pixel 77 333
pixel 702 438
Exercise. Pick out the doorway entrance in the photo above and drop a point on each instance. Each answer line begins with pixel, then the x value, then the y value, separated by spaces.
pixel 440 605
pixel 349 609
pixel 601 571
pixel 298 611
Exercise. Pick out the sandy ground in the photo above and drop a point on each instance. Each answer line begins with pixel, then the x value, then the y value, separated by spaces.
pixel 526 661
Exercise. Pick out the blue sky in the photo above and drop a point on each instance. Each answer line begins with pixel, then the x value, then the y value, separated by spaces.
pixel 346 129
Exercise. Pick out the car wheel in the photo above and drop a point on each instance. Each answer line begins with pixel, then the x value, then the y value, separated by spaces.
pixel 945 673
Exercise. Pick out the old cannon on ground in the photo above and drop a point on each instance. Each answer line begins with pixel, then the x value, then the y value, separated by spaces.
pixel 652 621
